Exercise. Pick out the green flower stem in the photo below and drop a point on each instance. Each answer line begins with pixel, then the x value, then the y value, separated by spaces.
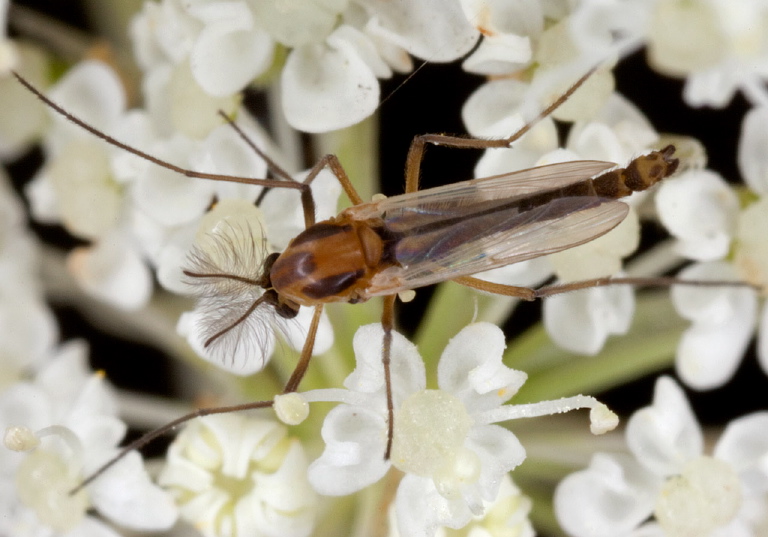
pixel 451 308
pixel 357 150
pixel 648 348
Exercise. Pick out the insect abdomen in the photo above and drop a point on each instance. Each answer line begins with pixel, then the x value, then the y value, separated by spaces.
pixel 640 174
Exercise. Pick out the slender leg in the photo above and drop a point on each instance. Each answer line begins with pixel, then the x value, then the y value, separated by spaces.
pixel 330 161
pixel 387 323
pixel 557 289
pixel 141 154
pixel 272 166
pixel 526 293
pixel 308 204
pixel 306 353
pixel 168 427
pixel 418 145
pixel 523 293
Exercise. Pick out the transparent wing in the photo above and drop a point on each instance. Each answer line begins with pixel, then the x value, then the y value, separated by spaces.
pixel 441 201
pixel 440 237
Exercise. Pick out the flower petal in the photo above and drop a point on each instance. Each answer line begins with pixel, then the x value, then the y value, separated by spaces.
pixel 499 451
pixel 499 54
pixel 699 209
pixel 744 444
pixel 436 30
pixel 581 321
pixel 112 271
pixel 126 495
pixel 665 435
pixel 295 24
pixel 708 355
pixel 724 320
pixel 471 368
pixel 92 92
pixel 762 339
pixel 712 87
pixel 89 201
pixel 355 440
pixel 328 87
pixel 421 510
pixel 156 186
pixel 751 255
pixel 406 365
pixel 296 331
pixel 611 497
pixel 493 109
pixel 229 54
pixel 223 151
pixel 531 150
pixel 753 162
pixel 630 127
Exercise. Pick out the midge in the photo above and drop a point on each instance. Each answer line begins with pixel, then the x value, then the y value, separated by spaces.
pixel 420 238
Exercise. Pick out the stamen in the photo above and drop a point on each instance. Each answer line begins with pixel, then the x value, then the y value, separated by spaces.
pixel 291 408
pixel 19 438
pixel 602 419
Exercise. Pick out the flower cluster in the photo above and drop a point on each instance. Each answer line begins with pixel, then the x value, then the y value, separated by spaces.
pixel 445 441
pixel 60 420
pixel 667 475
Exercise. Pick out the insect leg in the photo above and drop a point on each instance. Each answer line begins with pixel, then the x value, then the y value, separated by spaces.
pixel 168 427
pixel 664 281
pixel 523 293
pixel 526 293
pixel 306 353
pixel 146 156
pixel 418 145
pixel 273 166
pixel 387 323
pixel 291 386
pixel 330 161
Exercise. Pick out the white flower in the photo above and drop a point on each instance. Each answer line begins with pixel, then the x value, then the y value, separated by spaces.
pixel 719 46
pixel 699 209
pixel 235 475
pixel 751 153
pixel 581 321
pixel 78 188
pixel 610 28
pixel 723 324
pixel 508 29
pixel 670 477
pixel 73 416
pixel 507 515
pixel 338 50
pixel 29 329
pixel 702 212
pixel 445 440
